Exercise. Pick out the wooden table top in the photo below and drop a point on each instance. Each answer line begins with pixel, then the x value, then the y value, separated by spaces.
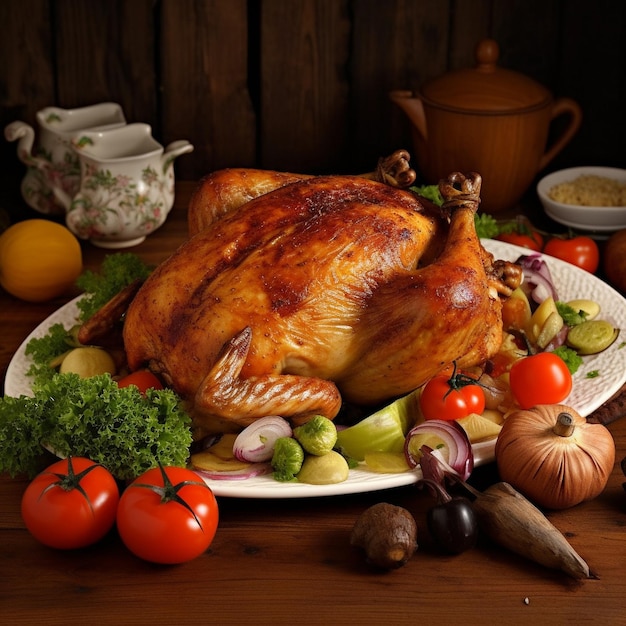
pixel 290 561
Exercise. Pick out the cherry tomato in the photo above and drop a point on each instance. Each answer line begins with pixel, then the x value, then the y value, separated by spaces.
pixel 540 379
pixel 451 397
pixel 167 515
pixel 71 504
pixel 142 379
pixel 532 241
pixel 580 251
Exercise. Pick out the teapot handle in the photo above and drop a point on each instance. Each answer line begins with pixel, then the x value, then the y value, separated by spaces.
pixel 174 149
pixel 563 106
pixel 25 135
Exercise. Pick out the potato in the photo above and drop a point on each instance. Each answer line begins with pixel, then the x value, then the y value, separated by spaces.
pixel 590 307
pixel 327 469
pixel 614 260
pixel 88 361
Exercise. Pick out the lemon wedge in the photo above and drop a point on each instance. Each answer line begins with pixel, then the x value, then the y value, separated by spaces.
pixel 479 428
pixel 386 462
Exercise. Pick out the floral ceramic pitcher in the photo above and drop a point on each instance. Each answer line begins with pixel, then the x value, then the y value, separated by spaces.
pixel 52 163
pixel 126 186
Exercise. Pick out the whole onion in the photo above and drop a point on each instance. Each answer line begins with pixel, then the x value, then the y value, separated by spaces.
pixel 552 455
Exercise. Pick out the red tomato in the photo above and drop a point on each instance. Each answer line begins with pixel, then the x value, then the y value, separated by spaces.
pixel 532 241
pixel 540 379
pixel 580 251
pixel 167 515
pixel 142 379
pixel 444 398
pixel 71 504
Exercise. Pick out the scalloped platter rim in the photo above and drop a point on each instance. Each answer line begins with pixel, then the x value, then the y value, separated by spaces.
pixel 588 394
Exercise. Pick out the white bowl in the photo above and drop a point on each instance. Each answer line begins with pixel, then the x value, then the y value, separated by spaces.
pixel 587 218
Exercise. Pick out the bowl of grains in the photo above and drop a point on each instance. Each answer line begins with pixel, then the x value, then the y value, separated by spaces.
pixel 586 198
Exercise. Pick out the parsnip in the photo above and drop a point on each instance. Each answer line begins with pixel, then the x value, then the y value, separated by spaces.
pixel 515 523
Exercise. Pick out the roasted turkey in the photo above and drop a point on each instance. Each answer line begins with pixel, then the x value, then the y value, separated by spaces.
pixel 297 293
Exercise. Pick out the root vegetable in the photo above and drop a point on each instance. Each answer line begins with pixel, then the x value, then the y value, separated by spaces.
pixel 515 523
pixel 388 535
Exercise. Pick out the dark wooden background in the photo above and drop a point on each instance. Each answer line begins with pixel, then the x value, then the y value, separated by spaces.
pixel 298 85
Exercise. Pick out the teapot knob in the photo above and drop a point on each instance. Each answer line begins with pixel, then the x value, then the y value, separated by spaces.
pixel 487 54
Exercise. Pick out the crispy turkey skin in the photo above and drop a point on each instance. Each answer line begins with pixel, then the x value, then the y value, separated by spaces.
pixel 322 289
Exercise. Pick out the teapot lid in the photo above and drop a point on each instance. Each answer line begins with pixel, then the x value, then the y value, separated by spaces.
pixel 485 88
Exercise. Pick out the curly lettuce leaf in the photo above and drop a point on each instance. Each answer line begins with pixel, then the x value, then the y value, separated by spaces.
pixel 121 429
pixel 45 350
pixel 430 192
pixel 570 316
pixel 486 226
pixel 571 358
pixel 116 272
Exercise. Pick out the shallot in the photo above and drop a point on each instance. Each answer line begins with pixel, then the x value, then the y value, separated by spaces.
pixel 255 443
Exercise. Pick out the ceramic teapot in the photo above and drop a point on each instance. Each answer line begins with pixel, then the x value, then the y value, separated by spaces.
pixel 126 185
pixel 488 120
pixel 53 163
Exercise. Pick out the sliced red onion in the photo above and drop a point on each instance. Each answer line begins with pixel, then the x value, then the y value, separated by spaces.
pixel 255 443
pixel 434 467
pixel 460 453
pixel 256 469
pixel 537 277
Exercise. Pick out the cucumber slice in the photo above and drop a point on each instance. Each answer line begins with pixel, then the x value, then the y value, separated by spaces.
pixel 592 336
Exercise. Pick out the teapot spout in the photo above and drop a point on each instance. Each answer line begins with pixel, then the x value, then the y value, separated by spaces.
pixel 24 134
pixel 62 197
pixel 173 150
pixel 413 108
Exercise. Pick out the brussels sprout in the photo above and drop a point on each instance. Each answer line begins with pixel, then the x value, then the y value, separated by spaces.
pixel 287 459
pixel 318 436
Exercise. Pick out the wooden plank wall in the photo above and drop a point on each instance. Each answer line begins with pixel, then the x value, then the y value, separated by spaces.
pixel 299 85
